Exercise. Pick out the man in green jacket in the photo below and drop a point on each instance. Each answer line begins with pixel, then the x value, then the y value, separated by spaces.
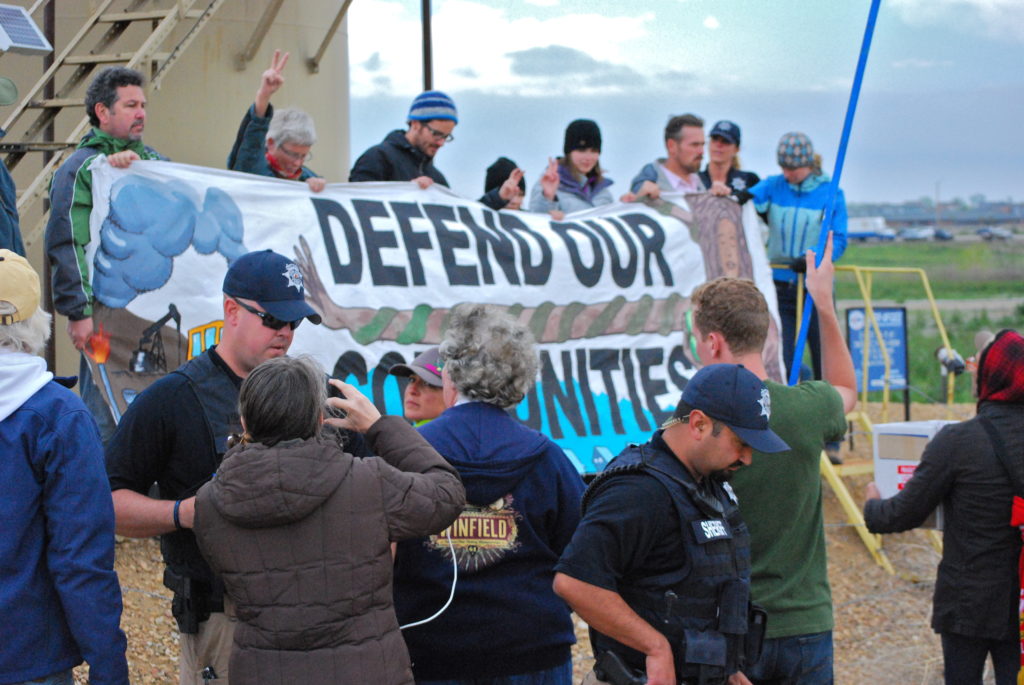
pixel 116 106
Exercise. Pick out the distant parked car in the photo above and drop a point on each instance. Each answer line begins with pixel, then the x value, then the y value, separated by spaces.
pixel 994 233
pixel 917 233
pixel 943 234
pixel 879 234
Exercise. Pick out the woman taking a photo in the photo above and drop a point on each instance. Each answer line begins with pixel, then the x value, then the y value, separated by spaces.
pixel 300 530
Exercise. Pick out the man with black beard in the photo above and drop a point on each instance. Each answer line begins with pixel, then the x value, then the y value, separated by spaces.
pixel 660 563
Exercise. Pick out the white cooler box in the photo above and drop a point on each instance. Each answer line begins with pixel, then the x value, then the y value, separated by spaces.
pixel 897 450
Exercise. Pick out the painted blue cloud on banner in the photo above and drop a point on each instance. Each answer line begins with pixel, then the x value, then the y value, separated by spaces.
pixel 219 226
pixel 150 223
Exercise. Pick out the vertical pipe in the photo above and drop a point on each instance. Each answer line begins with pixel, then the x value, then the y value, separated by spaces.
pixel 49 24
pixel 830 200
pixel 428 67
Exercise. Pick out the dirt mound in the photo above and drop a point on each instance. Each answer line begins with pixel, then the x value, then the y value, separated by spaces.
pixel 882 630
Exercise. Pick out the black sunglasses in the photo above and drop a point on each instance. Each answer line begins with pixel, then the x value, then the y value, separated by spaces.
pixel 269 320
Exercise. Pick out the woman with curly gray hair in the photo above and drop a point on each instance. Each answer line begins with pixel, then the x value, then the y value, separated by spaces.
pixel 504 622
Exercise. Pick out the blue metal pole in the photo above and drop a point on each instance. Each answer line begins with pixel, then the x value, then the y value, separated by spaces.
pixel 826 224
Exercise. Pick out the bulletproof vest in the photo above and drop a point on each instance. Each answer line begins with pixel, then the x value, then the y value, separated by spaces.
pixel 217 395
pixel 701 606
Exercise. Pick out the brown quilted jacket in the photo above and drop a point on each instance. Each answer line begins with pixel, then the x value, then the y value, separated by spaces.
pixel 300 534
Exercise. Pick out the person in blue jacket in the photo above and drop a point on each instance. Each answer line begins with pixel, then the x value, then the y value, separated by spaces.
pixel 275 144
pixel 60 600
pixel 793 204
pixel 504 624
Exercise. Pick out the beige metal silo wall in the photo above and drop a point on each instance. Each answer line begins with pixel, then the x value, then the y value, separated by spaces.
pixel 194 116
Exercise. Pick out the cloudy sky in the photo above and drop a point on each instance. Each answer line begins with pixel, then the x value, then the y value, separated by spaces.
pixel 942 105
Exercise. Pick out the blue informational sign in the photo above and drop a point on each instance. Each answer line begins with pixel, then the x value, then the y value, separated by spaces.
pixel 892 322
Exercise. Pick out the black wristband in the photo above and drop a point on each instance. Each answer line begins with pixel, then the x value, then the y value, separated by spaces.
pixel 177 521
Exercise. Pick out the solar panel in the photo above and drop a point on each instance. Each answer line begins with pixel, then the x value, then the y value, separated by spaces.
pixel 18 33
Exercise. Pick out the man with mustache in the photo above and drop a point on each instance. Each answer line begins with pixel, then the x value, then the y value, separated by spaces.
pixel 116 106
pixel 678 171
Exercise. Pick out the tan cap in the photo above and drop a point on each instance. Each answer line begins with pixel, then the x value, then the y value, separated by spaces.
pixel 19 288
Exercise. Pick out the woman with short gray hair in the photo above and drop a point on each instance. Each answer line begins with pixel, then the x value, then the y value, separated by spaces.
pixel 523 504
pixel 489 356
pixel 275 144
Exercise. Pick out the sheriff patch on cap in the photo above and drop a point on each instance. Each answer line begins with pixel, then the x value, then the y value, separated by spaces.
pixel 730 393
pixel 274 282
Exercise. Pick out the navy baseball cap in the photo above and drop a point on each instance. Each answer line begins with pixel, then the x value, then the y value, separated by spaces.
pixel 732 394
pixel 727 130
pixel 425 365
pixel 274 282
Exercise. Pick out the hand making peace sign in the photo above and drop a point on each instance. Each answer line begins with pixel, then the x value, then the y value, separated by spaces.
pixel 270 81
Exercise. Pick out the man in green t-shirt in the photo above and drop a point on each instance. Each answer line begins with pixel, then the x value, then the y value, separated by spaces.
pixel 780 494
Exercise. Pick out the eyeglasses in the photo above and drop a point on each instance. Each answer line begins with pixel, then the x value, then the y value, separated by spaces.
pixel 268 320
pixel 297 156
pixel 439 135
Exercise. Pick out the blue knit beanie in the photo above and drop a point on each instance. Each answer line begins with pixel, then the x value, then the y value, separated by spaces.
pixel 433 104
pixel 795 150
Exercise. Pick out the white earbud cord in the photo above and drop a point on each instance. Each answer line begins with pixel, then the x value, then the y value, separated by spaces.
pixel 451 595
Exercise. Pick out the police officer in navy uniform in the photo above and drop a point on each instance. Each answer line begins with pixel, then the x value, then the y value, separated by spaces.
pixel 175 433
pixel 659 566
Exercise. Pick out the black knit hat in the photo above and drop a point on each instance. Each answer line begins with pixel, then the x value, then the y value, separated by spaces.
pixel 498 173
pixel 582 134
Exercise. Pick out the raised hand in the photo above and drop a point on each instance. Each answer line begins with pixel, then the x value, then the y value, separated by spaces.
pixel 270 81
pixel 359 412
pixel 549 181
pixel 510 188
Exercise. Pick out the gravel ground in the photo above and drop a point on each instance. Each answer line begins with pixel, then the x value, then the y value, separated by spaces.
pixel 882 630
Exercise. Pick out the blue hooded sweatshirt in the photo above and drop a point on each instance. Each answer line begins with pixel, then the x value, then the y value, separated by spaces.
pixel 523 504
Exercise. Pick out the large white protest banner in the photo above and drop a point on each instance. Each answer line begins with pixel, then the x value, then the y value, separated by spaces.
pixel 605 292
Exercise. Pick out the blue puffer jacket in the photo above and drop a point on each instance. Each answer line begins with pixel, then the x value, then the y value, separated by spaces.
pixel 59 596
pixel 795 214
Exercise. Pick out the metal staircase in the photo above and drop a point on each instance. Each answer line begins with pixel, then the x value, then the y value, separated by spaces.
pixel 103 39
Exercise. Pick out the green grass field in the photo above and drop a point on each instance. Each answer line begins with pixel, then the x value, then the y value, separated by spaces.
pixel 956 270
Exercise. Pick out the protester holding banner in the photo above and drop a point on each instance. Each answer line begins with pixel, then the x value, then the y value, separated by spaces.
pixel 678 171
pixel 299 530
pixel 503 170
pixel 789 566
pixel 793 204
pixel 422 399
pixel 175 434
pixel 409 155
pixel 272 143
pixel 59 597
pixel 504 621
pixel 722 175
pixel 574 182
pixel 975 470
pixel 116 106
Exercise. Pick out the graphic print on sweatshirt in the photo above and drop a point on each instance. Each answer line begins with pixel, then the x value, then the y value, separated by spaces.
pixel 481 536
